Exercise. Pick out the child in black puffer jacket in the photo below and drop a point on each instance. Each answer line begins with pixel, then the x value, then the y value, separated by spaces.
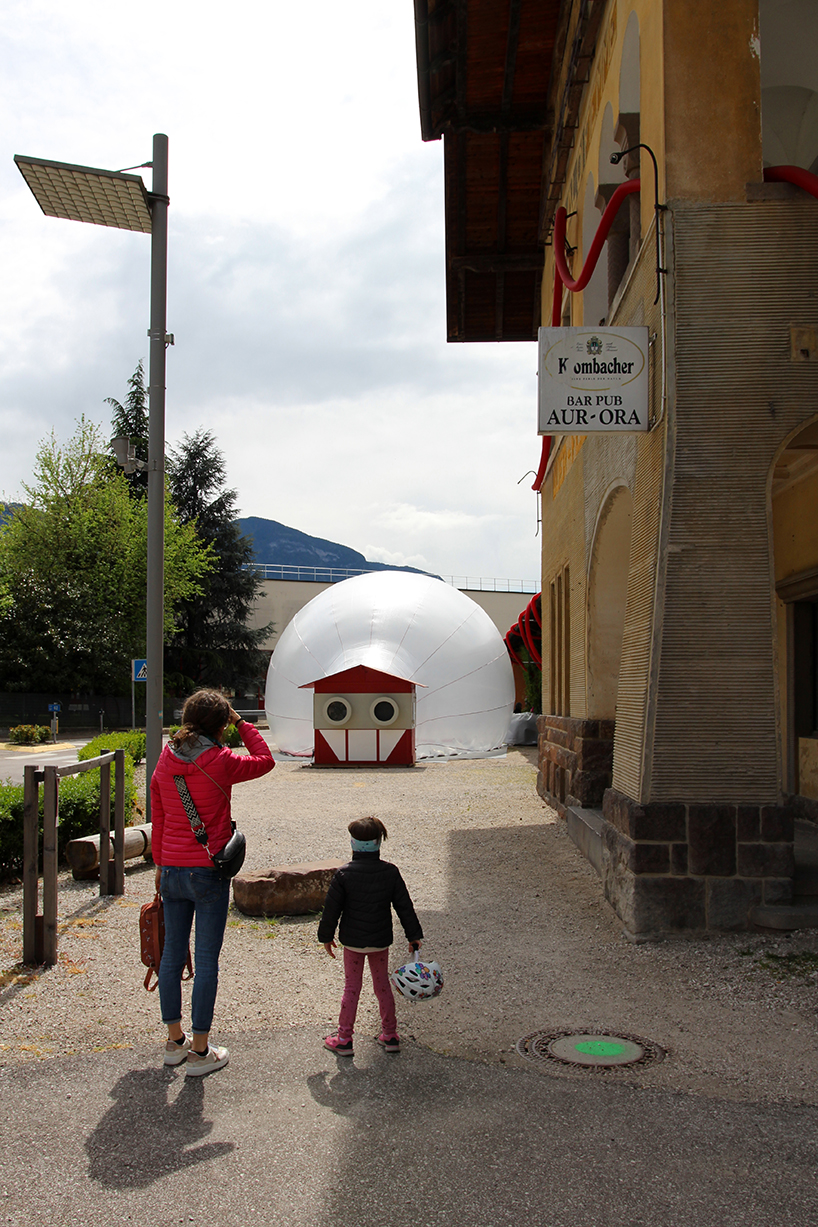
pixel 362 894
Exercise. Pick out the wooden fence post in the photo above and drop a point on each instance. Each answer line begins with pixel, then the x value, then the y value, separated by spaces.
pixel 106 885
pixel 50 805
pixel 40 931
pixel 119 822
pixel 32 949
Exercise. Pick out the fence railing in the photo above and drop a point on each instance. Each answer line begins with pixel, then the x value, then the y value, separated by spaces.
pixel 471 583
pixel 40 929
pixel 334 575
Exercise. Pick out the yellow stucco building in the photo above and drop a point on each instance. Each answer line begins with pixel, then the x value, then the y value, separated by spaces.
pixel 679 565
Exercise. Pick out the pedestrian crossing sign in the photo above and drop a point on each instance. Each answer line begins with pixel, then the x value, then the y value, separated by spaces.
pixel 140 670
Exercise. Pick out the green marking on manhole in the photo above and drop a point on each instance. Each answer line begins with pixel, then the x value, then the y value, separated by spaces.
pixel 600 1048
pixel 597 1050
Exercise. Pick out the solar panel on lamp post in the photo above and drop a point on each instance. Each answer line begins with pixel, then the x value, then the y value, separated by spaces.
pixel 113 198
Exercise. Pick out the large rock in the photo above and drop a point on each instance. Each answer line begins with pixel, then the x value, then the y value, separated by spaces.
pixel 286 890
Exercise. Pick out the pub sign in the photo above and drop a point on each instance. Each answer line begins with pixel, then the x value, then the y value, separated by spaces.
pixel 592 380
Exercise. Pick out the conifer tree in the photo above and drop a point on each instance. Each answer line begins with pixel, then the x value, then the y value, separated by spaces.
pixel 130 421
pixel 213 644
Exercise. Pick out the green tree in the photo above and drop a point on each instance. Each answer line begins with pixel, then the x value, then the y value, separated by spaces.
pixel 130 421
pixel 213 644
pixel 73 571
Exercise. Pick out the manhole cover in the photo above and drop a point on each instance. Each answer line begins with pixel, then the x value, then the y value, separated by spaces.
pixel 589 1050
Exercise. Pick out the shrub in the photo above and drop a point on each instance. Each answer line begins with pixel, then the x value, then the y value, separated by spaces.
pixel 79 811
pixel 29 734
pixel 11 828
pixel 232 736
pixel 131 743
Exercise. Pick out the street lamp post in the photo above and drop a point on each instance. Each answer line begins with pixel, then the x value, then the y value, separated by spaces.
pixel 113 198
pixel 155 687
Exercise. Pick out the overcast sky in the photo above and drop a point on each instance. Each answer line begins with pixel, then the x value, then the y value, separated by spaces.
pixel 306 272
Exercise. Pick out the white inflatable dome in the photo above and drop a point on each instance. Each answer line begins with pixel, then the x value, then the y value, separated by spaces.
pixel 413 626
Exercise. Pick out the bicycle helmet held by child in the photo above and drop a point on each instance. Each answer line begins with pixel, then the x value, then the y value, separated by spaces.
pixel 418 981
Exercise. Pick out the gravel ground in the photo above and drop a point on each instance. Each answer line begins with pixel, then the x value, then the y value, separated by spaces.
pixel 511 910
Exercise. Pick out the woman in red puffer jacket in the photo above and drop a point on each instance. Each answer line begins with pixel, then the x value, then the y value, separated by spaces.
pixel 185 875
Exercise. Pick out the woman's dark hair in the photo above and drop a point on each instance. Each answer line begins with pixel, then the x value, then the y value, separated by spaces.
pixel 206 712
pixel 367 828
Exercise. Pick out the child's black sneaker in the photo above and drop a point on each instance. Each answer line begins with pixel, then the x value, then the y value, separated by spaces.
pixel 389 1043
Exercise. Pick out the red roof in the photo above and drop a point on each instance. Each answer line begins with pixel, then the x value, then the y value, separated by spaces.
pixel 360 679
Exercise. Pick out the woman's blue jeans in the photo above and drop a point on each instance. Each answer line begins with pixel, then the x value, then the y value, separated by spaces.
pixel 189 891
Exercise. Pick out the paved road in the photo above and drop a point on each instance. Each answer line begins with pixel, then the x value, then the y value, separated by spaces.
pixel 12 762
pixel 291 1136
pixel 296 1137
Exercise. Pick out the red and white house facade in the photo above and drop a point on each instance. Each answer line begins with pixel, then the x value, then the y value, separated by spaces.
pixel 363 716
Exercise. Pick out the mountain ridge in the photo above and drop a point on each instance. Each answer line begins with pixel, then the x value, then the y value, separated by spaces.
pixel 277 544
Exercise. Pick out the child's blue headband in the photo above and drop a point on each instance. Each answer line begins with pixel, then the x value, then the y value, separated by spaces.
pixel 365 845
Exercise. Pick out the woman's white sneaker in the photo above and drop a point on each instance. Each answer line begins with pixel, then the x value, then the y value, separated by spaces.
pixel 198 1065
pixel 176 1053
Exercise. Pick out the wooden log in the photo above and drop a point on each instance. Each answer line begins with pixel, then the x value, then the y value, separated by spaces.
pixel 83 854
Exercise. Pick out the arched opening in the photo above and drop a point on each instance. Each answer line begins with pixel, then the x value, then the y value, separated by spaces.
pixel 789 83
pixel 607 597
pixel 595 294
pixel 629 75
pixel 794 494
pixel 611 175
pixel 627 128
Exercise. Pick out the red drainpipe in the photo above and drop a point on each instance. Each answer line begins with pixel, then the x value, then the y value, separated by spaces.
pixel 792 174
pixel 625 189
pixel 562 277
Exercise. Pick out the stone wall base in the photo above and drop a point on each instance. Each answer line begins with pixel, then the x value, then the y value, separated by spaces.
pixel 804 807
pixel 575 761
pixel 675 868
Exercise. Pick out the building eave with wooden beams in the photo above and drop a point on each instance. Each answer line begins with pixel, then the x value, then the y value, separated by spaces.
pixel 483 91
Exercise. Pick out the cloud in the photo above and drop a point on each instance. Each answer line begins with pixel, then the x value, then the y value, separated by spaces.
pixel 306 274
pixel 376 553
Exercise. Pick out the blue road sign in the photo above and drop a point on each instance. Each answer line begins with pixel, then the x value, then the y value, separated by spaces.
pixel 55 707
pixel 140 670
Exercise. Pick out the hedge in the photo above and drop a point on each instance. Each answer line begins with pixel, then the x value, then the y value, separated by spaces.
pixel 78 812
pixel 131 743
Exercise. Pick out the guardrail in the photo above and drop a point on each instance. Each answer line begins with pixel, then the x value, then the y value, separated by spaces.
pixel 40 929
pixel 470 583
pixel 335 575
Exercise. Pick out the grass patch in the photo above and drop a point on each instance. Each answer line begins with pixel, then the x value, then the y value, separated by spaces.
pixel 264 926
pixel 803 965
pixel 18 974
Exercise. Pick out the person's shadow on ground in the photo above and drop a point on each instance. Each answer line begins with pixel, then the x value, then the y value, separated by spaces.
pixel 144 1137
pixel 345 1092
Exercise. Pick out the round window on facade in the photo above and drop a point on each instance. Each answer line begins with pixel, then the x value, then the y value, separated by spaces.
pixel 384 711
pixel 337 711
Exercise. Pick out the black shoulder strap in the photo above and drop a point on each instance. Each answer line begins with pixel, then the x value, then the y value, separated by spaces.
pixel 196 825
